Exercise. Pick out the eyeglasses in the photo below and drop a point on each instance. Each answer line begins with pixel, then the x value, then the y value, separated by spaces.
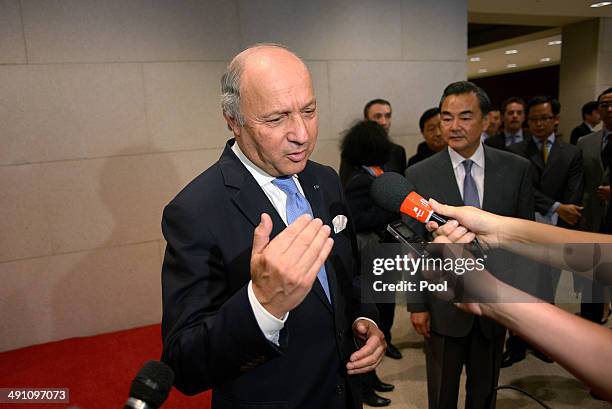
pixel 605 105
pixel 540 118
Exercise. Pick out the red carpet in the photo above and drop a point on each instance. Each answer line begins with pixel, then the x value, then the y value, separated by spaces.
pixel 98 370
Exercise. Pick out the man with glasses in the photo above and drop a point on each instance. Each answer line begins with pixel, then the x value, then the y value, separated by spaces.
pixel 558 183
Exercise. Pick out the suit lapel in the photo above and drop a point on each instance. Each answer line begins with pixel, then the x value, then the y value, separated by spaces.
pixel 249 198
pixel 448 190
pixel 534 154
pixel 312 191
pixel 492 181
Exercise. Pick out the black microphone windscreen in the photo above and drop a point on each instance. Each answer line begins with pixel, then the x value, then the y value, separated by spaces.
pixel 389 191
pixel 152 384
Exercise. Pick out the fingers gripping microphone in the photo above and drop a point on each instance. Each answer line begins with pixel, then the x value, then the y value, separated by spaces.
pixel 394 193
pixel 151 386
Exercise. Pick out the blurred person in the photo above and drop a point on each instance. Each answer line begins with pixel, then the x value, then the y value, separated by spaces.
pixel 429 124
pixel 379 111
pixel 466 172
pixel 595 200
pixel 590 119
pixel 366 148
pixel 494 124
pixel 513 111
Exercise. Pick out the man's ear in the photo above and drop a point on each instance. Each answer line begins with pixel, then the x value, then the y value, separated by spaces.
pixel 232 124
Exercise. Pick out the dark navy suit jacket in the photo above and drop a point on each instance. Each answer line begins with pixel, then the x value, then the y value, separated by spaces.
pixel 211 338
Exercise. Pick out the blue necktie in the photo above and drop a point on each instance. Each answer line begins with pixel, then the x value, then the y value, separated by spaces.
pixel 296 206
pixel 470 190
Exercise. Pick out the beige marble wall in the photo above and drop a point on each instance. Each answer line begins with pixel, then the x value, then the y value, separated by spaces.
pixel 108 108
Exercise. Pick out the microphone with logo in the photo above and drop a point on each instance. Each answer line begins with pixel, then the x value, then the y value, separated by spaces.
pixel 394 193
pixel 151 386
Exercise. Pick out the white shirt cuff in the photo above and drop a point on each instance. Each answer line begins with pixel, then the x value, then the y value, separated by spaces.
pixel 268 323
pixel 367 319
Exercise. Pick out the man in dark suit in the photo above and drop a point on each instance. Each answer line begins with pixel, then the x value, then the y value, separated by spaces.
pixel 556 169
pixel 513 111
pixel 266 315
pixel 380 111
pixel 466 173
pixel 556 165
pixel 590 119
pixel 429 123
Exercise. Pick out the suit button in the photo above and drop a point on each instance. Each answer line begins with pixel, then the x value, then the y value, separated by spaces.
pixel 339 389
pixel 340 333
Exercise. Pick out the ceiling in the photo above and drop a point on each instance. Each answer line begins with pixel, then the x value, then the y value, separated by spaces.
pixel 531 48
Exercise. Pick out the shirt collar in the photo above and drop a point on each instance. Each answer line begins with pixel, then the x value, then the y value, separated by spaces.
pixel 477 157
pixel 551 139
pixel 519 133
pixel 260 176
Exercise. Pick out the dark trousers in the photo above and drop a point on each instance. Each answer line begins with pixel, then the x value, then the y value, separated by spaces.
pixel 445 357
pixel 386 314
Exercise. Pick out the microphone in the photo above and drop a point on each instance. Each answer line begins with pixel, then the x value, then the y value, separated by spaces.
pixel 151 386
pixel 394 193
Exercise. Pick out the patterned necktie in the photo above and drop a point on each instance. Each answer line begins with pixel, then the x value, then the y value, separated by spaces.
pixel 296 206
pixel 470 190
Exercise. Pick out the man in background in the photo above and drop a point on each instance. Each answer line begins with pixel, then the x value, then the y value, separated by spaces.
pixel 429 123
pixel 557 176
pixel 513 111
pixel 494 124
pixel 595 147
pixel 590 119
pixel 379 111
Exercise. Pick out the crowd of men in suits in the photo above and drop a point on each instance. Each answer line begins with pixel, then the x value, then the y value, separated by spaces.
pixel 519 167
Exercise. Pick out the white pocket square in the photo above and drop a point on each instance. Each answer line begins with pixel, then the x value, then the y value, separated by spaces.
pixel 339 223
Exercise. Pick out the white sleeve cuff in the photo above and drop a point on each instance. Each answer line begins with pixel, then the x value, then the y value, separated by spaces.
pixel 367 319
pixel 268 323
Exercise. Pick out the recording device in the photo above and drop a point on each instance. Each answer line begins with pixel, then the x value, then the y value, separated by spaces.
pixel 151 386
pixel 406 236
pixel 394 193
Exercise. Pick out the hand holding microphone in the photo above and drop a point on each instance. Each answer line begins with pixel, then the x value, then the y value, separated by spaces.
pixel 394 193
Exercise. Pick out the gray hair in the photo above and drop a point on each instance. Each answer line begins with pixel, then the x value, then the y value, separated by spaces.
pixel 230 82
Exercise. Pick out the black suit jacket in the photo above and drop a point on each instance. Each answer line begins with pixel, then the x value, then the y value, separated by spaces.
pixel 397 159
pixel 577 132
pixel 423 152
pixel 497 141
pixel 560 180
pixel 507 192
pixel 367 216
pixel 211 338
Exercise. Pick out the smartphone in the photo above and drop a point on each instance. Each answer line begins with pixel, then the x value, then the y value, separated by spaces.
pixel 405 235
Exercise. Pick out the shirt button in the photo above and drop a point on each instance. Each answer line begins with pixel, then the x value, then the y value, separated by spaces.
pixel 339 389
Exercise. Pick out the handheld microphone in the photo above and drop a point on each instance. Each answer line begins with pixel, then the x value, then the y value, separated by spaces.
pixel 394 193
pixel 151 386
